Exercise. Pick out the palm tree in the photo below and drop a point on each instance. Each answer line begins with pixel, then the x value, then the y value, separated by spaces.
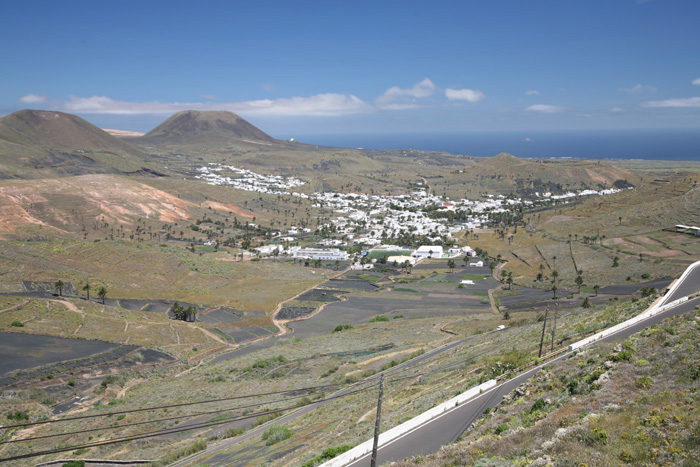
pixel 595 289
pixel 586 303
pixel 579 282
pixel 86 288
pixel 102 293
pixel 554 290
pixel 59 286
pixel 452 265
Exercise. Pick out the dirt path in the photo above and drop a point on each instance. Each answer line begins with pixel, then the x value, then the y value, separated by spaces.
pixel 280 323
pixel 69 305
pixel 492 299
pixel 212 336
pixel 19 305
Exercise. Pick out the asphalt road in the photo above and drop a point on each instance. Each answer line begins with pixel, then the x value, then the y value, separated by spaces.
pixel 445 429
pixel 690 285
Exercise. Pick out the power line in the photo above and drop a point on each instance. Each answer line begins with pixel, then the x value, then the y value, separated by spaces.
pixel 183 404
pixel 170 431
pixel 177 430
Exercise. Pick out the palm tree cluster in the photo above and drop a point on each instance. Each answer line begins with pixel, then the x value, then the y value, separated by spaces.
pixel 184 313
pixel 101 291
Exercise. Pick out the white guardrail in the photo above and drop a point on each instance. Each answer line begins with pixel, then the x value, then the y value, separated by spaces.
pixel 653 310
pixel 400 430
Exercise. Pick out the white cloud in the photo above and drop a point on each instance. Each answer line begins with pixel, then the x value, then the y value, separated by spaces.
pixel 425 88
pixel 544 108
pixel 532 92
pixel 321 104
pixel 32 99
pixel 617 109
pixel 470 95
pixel 696 82
pixel 640 88
pixel 685 102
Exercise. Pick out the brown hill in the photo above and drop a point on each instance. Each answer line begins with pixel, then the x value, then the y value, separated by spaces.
pixel 551 174
pixel 193 128
pixel 39 143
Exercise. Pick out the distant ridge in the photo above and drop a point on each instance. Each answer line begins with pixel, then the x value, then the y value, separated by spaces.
pixel 58 130
pixel 40 143
pixel 192 127
pixel 552 175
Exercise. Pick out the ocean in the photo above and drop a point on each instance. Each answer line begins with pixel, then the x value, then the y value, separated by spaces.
pixel 672 145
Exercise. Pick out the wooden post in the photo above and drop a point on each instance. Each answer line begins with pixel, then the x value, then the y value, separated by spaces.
pixel 546 311
pixel 377 422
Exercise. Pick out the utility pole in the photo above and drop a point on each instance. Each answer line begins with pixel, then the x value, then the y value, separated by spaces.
pixel 546 312
pixel 373 463
pixel 554 329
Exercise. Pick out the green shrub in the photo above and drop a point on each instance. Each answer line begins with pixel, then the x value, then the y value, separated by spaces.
pixel 17 416
pixel 597 435
pixel 276 433
pixel 17 324
pixel 625 355
pixel 80 451
pixel 379 318
pixel 646 275
pixel 572 387
pixel 644 383
pixel 327 455
pixel 625 456
pixel 172 456
pixel 233 432
pixel 262 419
pixel 71 383
pixel 501 428
pixel 342 327
pixel 538 405
pixel 74 464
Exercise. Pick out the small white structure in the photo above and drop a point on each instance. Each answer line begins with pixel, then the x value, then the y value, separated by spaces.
pixel 428 251
pixel 476 264
pixel 467 282
pixel 269 249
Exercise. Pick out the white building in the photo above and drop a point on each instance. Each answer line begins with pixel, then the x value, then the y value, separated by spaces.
pixel 269 249
pixel 401 259
pixel 428 251
pixel 319 253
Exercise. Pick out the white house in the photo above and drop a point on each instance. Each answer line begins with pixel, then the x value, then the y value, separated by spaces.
pixel 477 264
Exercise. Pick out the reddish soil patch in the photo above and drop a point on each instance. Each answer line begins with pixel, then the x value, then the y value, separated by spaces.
pixel 226 207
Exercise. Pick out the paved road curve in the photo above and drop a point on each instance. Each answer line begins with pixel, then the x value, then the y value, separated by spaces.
pixel 689 286
pixel 445 429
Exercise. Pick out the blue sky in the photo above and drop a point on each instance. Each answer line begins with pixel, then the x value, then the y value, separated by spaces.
pixel 354 67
